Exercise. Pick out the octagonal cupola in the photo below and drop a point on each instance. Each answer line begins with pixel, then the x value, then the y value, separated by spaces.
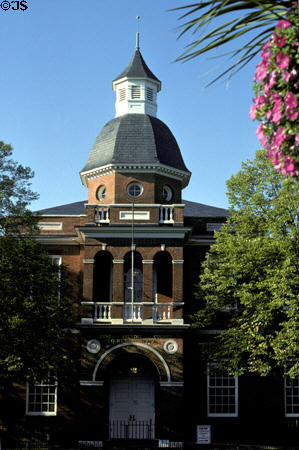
pixel 136 87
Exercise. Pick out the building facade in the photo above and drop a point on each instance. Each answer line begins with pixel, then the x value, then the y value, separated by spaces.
pixel 133 251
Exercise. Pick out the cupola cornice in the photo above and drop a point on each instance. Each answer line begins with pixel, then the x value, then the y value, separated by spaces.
pixel 176 174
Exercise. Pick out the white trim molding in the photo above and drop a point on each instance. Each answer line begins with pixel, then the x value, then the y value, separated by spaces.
pixel 48 226
pixel 134 344
pixel 91 383
pixel 177 174
pixel 171 383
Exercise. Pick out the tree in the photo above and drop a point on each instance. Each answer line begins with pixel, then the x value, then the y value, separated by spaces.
pixel 15 194
pixel 35 312
pixel 250 282
pixel 257 21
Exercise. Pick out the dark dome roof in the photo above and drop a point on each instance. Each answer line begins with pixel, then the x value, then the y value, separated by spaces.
pixel 135 139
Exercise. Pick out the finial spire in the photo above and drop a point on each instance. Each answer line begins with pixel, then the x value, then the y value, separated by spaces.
pixel 137 34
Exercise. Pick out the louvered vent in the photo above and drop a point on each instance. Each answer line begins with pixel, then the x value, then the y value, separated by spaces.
pixel 136 92
pixel 122 94
pixel 150 94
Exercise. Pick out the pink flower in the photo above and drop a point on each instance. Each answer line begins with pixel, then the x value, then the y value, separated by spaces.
pixel 297 44
pixel 297 139
pixel 282 60
pixel 261 100
pixel 272 79
pixel 286 76
pixel 266 52
pixel 261 72
pixel 282 24
pixel 269 114
pixel 276 115
pixel 276 97
pixel 292 113
pixel 279 40
pixel 279 137
pixel 252 112
pixel 291 100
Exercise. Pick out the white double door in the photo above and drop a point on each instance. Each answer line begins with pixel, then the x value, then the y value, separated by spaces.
pixel 132 408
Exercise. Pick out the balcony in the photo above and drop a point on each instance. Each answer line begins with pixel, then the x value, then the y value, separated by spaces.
pixel 122 214
pixel 122 313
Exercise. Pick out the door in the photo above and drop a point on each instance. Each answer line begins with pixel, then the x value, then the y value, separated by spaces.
pixel 132 408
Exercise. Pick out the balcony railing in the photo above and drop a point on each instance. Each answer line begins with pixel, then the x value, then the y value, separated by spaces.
pixel 155 213
pixel 102 214
pixel 166 214
pixel 125 312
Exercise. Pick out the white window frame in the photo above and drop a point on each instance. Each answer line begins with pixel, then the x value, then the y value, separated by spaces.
pixel 45 391
pixel 56 259
pixel 50 226
pixel 222 374
pixel 293 403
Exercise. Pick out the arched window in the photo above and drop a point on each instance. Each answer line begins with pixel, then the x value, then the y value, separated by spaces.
pixel 133 281
pixel 162 276
pixel 102 277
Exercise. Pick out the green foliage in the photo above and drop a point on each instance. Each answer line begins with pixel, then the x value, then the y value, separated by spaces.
pixel 35 312
pixel 256 22
pixel 15 193
pixel 250 282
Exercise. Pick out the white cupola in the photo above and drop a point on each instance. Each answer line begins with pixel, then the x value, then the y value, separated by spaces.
pixel 136 88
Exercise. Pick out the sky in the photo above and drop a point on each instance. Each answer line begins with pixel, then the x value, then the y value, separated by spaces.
pixel 58 60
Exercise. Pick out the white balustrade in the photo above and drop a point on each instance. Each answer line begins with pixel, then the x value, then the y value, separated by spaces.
pixel 102 214
pixel 102 312
pixel 162 312
pixel 166 214
pixel 133 312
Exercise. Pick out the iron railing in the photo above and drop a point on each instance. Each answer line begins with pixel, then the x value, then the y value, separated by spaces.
pixel 131 429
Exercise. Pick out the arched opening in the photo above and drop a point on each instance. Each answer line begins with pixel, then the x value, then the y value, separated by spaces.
pixel 131 378
pixel 162 278
pixel 133 277
pixel 102 277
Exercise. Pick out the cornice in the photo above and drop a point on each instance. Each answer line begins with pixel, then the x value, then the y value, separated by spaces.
pixel 140 232
pixel 57 239
pixel 158 168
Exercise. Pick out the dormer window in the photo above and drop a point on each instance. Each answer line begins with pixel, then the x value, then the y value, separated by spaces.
pixel 122 94
pixel 150 94
pixel 136 92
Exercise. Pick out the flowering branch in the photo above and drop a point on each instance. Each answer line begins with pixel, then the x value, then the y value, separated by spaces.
pixel 277 95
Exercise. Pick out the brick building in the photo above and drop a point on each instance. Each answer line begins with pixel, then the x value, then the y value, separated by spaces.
pixel 134 250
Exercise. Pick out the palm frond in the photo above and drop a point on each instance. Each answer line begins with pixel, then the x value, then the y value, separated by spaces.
pixel 253 15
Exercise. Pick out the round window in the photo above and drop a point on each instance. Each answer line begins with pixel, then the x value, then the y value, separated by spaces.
pixel 134 190
pixel 101 192
pixel 167 193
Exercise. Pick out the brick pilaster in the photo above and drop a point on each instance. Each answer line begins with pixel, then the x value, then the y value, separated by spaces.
pixel 88 279
pixel 147 294
pixel 177 280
